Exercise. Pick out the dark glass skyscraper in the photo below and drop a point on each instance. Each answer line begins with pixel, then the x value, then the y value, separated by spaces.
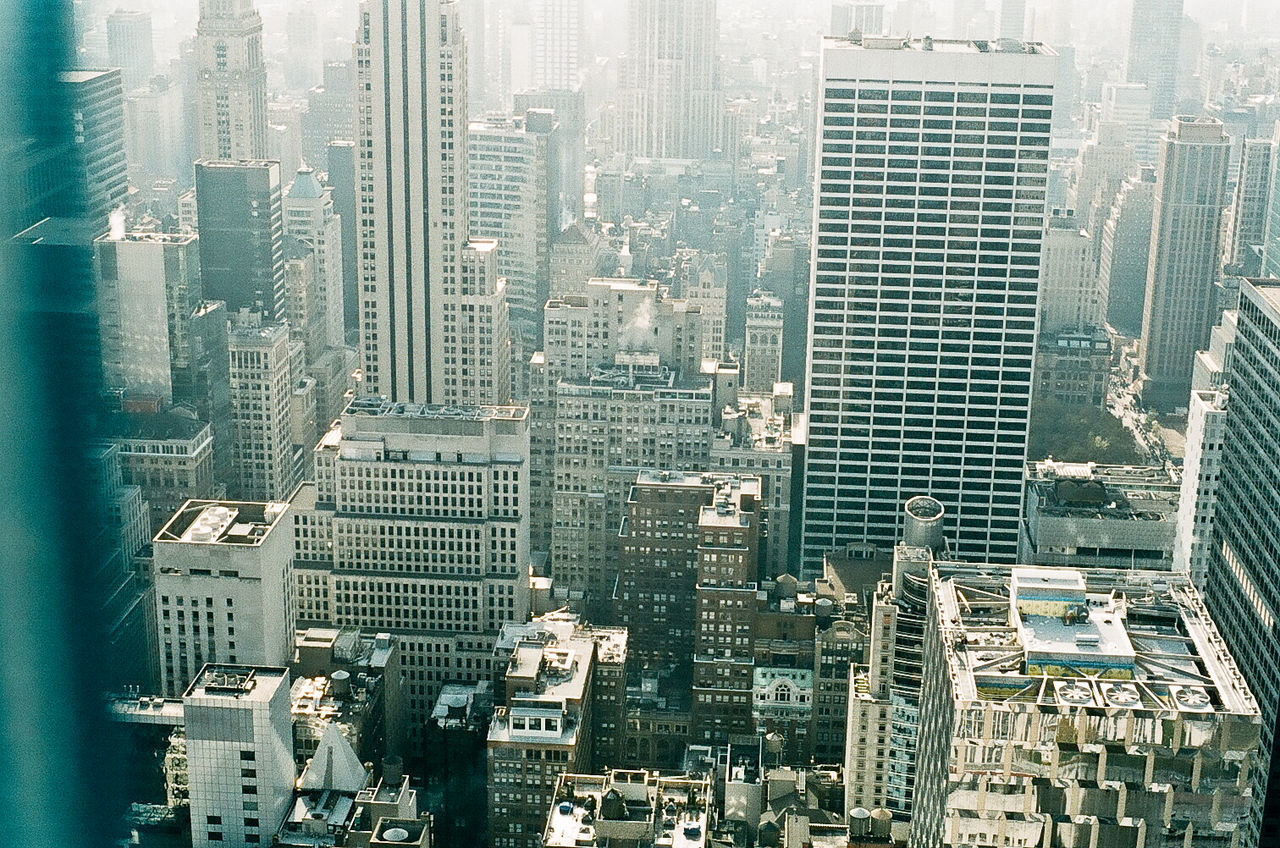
pixel 238 205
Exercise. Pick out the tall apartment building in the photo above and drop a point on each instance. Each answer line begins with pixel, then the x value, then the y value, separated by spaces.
pixel 148 288
pixel 558 49
pixel 309 216
pixel 1239 591
pixel 1249 204
pixel 556 679
pixel 703 280
pixel 636 414
pixel 130 46
pixel 920 376
pixel 239 746
pixel 96 99
pixel 1179 312
pixel 762 355
pixel 1041 688
pixel 570 108
pixel 231 82
pixel 723 642
pixel 755 437
pixel 513 173
pixel 1126 250
pixel 240 210
pixel 265 462
pixel 223 573
pixel 414 304
pixel 670 104
pixel 417 524
pixel 1155 37
pixel 479 319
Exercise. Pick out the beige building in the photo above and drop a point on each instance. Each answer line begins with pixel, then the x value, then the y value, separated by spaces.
pixel 263 460
pixel 762 355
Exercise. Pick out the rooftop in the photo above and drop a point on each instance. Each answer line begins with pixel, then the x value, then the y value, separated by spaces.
pixel 1101 638
pixel 236 682
pixel 939 45
pixel 1114 492
pixel 629 807
pixel 155 427
pixel 383 407
pixel 317 819
pixel 222 523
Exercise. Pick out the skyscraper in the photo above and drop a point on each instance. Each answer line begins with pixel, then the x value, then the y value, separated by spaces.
pixel 1271 240
pixel 231 81
pixel 1249 205
pixel 309 216
pixel 130 47
pixel 557 44
pixel 670 102
pixel 1070 300
pixel 1126 250
pixel 263 461
pixel 1241 591
pixel 96 98
pixel 1154 41
pixel 242 235
pixel 1191 191
pixel 924 287
pixel 412 128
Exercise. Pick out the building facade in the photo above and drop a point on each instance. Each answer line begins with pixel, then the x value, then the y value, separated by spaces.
pixel 231 82
pixel 920 379
pixel 241 224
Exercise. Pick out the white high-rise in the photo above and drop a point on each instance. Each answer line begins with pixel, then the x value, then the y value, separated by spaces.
pixel 309 217
pixel 412 127
pixel 239 737
pixel 231 81
pixel 931 186
pixel 557 44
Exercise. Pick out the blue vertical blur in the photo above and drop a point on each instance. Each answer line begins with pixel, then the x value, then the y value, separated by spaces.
pixel 56 766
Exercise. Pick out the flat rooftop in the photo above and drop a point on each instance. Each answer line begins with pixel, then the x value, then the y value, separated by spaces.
pixel 1113 492
pixel 628 807
pixel 236 682
pixel 1101 638
pixel 385 408
pixel 940 45
pixel 222 523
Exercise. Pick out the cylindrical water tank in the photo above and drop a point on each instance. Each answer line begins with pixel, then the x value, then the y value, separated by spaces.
pixel 923 528
pixel 860 822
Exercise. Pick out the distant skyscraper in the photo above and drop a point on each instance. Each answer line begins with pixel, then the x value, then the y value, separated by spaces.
pixel 130 47
pixel 920 375
pixel 341 158
pixel 1070 300
pixel 1271 240
pixel 1011 21
pixel 309 216
pixel 1129 105
pixel 413 178
pixel 867 18
pixel 1241 591
pixel 231 81
pixel 306 58
pixel 97 118
pixel 670 102
pixel 1191 191
pixel 1249 206
pixel 557 44
pixel 241 226
pixel 1125 251
pixel 1154 41
pixel 239 741
pixel 762 355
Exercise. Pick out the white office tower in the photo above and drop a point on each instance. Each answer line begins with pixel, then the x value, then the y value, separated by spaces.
pixel 1249 206
pixel 1180 308
pixel 1201 470
pixel 1071 707
pixel 240 769
pixel 417 524
pixel 1155 37
pixel 762 356
pixel 223 573
pixel 231 82
pixel 669 99
pixel 925 275
pixel 309 216
pixel 865 16
pixel 263 373
pixel 1070 300
pixel 413 188
pixel 1129 105
pixel 557 44
pixel 148 284
pixel 477 317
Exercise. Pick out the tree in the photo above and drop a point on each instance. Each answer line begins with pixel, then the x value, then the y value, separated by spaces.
pixel 1079 434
